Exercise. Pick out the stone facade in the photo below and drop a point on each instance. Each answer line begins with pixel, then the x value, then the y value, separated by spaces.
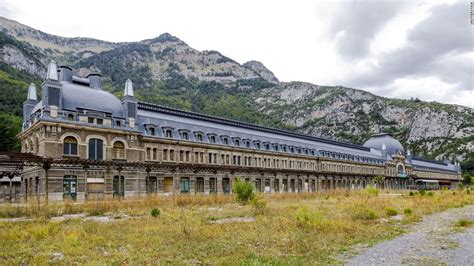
pixel 124 148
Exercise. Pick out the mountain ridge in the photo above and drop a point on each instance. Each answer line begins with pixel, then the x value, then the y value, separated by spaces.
pixel 167 71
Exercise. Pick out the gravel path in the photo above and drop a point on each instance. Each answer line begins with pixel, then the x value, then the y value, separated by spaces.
pixel 433 241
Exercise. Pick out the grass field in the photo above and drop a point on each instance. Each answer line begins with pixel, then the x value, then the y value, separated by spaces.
pixel 290 229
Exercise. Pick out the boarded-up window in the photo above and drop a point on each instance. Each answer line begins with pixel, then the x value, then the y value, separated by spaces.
pixel 53 96
pixel 131 109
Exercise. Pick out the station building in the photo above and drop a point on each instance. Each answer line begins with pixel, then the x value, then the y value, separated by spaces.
pixel 101 146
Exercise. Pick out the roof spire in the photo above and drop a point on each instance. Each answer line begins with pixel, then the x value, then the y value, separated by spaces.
pixel 32 92
pixel 52 73
pixel 128 88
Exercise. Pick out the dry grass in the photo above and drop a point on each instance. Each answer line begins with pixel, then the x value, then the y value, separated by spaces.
pixel 300 228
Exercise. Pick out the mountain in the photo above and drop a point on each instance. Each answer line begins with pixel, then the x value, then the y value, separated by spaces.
pixel 165 70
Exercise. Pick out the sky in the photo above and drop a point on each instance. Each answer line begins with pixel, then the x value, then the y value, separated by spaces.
pixel 399 49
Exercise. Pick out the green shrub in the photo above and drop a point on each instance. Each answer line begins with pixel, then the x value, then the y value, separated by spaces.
pixel 243 191
pixel 390 211
pixel 422 192
pixel 460 186
pixel 371 191
pixel 306 218
pixel 407 211
pixel 464 223
pixel 155 212
pixel 364 214
pixel 259 204
pixel 430 194
pixel 411 194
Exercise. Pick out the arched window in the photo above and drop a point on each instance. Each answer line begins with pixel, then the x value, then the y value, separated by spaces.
pixel 400 169
pixel 96 149
pixel 70 146
pixel 119 150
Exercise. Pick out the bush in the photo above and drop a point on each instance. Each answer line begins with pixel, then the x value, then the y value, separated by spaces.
pixel 155 212
pixel 464 223
pixel 407 211
pixel 422 192
pixel 460 186
pixel 430 194
pixel 371 191
pixel 364 214
pixel 307 219
pixel 411 194
pixel 390 211
pixel 243 190
pixel 259 204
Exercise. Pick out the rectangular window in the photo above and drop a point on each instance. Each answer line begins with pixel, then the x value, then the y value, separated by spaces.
pixel 165 154
pixel 90 120
pixel 184 185
pixel 148 153
pixel 100 121
pixel 96 149
pixel 155 154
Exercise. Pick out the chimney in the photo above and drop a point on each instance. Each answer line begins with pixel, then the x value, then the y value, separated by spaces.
pixel 65 73
pixel 409 156
pixel 384 151
pixel 52 73
pixel 95 80
pixel 29 104
pixel 32 92
pixel 128 88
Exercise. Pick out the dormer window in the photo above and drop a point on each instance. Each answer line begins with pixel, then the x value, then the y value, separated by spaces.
pixel 257 145
pixel 212 138
pixel 275 147
pixel 100 121
pixel 168 133
pixel 283 148
pixel 151 131
pixel 247 143
pixel 225 140
pixel 299 150
pixel 90 120
pixel 199 137
pixel 236 142
pixel 70 117
pixel 306 151
pixel 118 123
pixel 292 150
pixel 184 135
pixel 267 146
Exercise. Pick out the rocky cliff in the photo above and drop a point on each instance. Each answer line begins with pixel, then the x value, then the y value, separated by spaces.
pixel 167 71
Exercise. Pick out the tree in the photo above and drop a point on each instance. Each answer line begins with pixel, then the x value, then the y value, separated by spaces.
pixel 243 190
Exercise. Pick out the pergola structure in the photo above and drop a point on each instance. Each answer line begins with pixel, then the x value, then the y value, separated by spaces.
pixel 13 163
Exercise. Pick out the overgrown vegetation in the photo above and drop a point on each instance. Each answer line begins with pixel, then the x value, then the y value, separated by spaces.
pixel 243 191
pixel 303 228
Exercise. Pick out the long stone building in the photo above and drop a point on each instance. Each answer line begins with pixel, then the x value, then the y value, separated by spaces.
pixel 103 146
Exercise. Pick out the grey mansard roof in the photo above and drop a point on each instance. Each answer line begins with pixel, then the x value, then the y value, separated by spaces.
pixel 151 115
pixel 392 145
pixel 77 96
pixel 420 163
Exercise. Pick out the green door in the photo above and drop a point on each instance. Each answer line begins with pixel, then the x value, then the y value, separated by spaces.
pixel 70 187
pixel 152 184
pixel 119 186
